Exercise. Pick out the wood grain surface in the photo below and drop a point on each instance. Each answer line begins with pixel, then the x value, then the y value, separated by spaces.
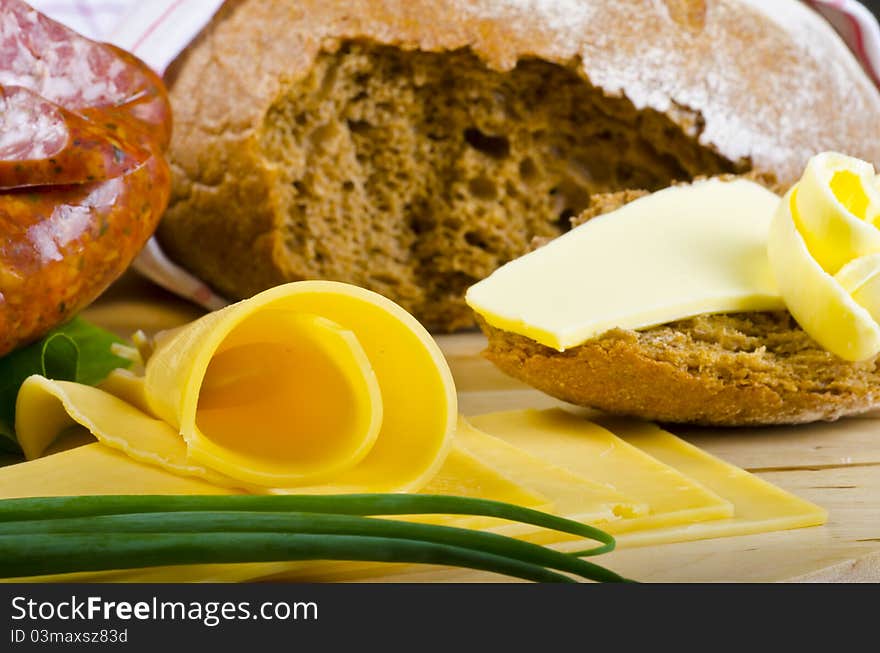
pixel 836 465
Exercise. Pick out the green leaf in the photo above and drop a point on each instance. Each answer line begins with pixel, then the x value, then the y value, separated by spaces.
pixel 76 351
pixel 96 360
pixel 60 357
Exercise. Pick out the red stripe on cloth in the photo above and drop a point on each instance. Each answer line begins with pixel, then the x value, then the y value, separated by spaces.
pixel 861 52
pixel 856 40
pixel 155 24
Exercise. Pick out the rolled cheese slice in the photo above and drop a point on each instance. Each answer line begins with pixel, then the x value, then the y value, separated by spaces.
pixel 314 385
pixel 823 247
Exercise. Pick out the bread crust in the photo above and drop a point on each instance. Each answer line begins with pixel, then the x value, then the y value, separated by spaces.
pixel 763 85
pixel 720 370
pixel 768 82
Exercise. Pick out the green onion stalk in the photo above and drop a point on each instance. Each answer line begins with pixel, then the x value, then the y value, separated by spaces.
pixel 57 535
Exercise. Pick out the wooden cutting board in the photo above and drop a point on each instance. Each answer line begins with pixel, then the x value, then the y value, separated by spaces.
pixel 836 465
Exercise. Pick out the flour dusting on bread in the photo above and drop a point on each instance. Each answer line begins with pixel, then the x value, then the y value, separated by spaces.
pixel 413 146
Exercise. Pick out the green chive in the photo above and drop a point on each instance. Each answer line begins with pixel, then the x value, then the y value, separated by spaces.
pixel 316 524
pixel 60 553
pixel 350 504
pixel 53 535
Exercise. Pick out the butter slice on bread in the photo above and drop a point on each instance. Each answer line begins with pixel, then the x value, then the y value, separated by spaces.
pixel 727 370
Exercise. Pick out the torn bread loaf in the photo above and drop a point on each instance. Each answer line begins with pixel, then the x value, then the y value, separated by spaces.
pixel 414 146
pixel 726 370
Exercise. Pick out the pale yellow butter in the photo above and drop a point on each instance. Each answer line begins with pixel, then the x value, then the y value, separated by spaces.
pixel 679 252
pixel 824 248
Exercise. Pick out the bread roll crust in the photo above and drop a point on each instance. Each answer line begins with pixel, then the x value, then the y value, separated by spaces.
pixel 753 90
pixel 723 370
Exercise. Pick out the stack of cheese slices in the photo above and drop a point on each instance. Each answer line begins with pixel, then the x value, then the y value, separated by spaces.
pixel 157 431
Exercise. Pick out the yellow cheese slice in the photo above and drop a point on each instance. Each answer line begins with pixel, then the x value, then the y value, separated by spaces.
pixel 290 398
pixel 576 497
pixel 418 395
pixel 758 506
pixel 466 475
pixel 95 469
pixel 213 573
pixel 592 452
pixel 46 409
pixel 823 247
pixel 98 469
pixel 317 385
pixel 676 253
pixel 128 385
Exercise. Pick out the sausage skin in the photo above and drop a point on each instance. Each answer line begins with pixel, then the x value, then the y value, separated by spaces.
pixel 83 179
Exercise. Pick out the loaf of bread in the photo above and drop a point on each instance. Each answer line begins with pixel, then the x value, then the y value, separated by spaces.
pixel 413 146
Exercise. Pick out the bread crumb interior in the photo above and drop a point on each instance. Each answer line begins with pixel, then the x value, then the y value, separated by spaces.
pixel 435 170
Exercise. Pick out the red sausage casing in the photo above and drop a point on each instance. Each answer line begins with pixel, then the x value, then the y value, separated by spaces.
pixel 83 180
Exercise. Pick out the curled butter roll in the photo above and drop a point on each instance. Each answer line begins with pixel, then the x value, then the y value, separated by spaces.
pixel 824 248
pixel 314 386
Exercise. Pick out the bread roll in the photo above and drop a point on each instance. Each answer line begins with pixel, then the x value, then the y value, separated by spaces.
pixel 413 146
pixel 738 369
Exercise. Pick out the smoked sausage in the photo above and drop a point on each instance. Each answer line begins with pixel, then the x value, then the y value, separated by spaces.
pixel 83 179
